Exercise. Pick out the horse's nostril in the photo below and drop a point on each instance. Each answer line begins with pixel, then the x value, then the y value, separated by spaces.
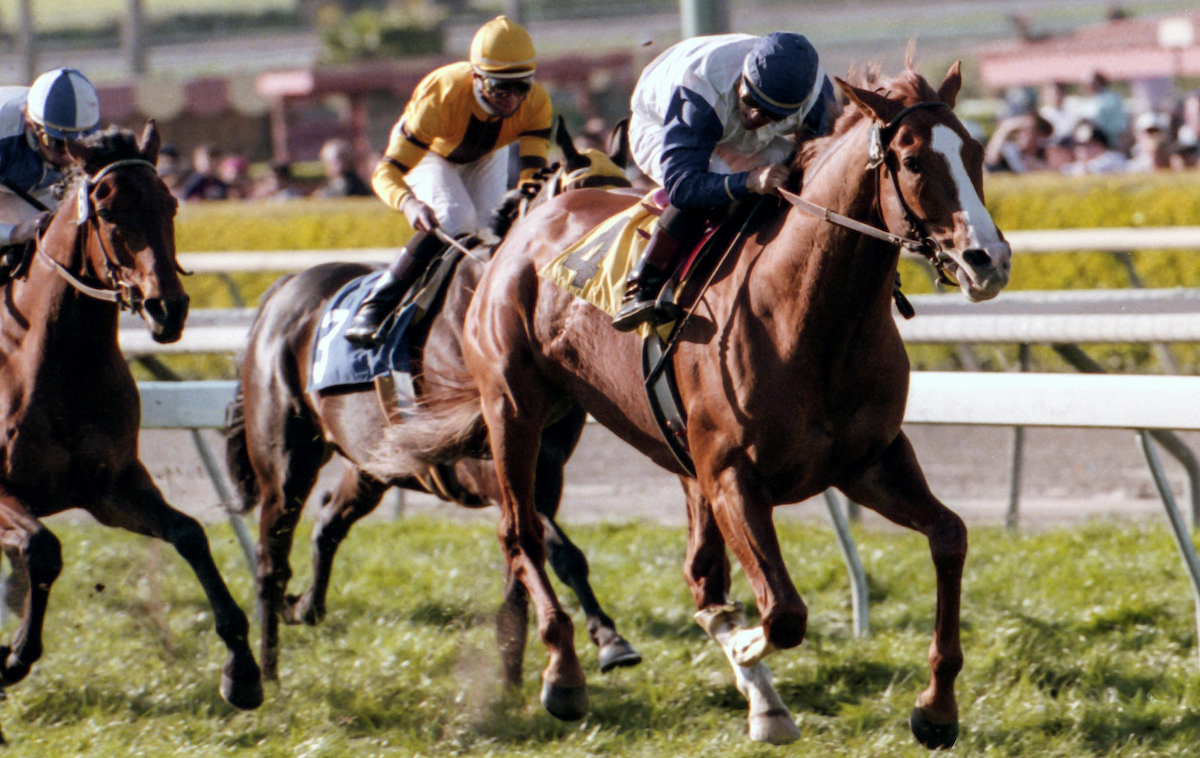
pixel 977 258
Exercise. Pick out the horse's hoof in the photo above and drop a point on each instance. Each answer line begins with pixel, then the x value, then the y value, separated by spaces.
pixel 616 653
pixel 931 734
pixel 241 686
pixel 774 727
pixel 299 610
pixel 565 703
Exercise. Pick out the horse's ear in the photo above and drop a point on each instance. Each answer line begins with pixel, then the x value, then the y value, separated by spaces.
pixel 150 142
pixel 618 144
pixel 563 139
pixel 873 104
pixel 948 92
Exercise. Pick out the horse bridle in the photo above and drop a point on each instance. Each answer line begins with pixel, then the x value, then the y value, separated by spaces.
pixel 879 153
pixel 121 292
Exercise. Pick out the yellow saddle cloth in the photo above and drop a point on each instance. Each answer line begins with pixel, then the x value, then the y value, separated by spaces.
pixel 596 267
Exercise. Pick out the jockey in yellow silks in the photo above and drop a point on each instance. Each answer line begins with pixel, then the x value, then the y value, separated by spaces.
pixel 445 166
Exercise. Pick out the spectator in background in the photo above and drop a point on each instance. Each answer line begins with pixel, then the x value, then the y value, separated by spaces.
pixel 1183 156
pixel 1105 108
pixel 277 184
pixel 1055 110
pixel 1019 144
pixel 169 168
pixel 1151 143
pixel 341 180
pixel 204 184
pixel 1188 133
pixel 234 171
pixel 1094 153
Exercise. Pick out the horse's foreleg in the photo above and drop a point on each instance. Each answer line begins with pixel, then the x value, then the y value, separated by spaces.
pixel 515 433
pixel 744 518
pixel 895 488
pixel 356 496
pixel 37 556
pixel 137 505
pixel 707 572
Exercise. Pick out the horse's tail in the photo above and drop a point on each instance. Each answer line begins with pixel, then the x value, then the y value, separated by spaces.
pixel 237 450
pixel 237 455
pixel 447 427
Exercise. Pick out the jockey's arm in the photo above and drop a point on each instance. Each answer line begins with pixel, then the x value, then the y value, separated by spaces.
pixel 410 139
pixel 533 144
pixel 690 135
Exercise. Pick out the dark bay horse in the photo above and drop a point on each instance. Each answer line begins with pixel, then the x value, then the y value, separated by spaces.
pixel 791 372
pixel 71 405
pixel 281 436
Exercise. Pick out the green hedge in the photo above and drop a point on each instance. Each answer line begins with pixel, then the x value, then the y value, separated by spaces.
pixel 1016 202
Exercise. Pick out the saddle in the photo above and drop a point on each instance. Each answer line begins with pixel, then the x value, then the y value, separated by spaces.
pixel 597 267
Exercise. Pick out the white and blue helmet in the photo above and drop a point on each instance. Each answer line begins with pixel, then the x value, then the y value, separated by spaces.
pixel 64 104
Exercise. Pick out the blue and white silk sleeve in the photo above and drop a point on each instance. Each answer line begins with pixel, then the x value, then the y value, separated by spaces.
pixel 690 135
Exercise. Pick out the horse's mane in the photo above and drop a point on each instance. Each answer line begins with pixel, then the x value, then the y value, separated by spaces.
pixel 908 85
pixel 104 147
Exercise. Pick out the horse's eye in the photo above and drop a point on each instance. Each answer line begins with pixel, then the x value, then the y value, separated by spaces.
pixel 912 164
pixel 105 214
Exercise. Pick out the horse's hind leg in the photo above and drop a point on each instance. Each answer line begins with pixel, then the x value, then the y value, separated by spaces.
pixel 37 556
pixel 895 488
pixel 137 505
pixel 286 470
pixel 567 560
pixel 357 495
pixel 707 572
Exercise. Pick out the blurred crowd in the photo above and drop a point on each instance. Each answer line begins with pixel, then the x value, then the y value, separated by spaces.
pixel 213 175
pixel 1092 132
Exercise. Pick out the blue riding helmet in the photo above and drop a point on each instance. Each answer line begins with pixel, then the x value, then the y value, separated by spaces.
pixel 64 103
pixel 780 72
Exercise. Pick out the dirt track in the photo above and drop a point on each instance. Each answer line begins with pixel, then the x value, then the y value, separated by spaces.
pixel 1069 475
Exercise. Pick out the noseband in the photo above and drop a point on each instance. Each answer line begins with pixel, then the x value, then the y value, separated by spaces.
pixel 121 292
pixel 879 154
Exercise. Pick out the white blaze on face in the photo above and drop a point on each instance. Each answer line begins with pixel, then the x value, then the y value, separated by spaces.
pixel 981 230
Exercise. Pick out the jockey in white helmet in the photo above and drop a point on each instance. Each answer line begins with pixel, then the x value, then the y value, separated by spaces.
pixel 35 124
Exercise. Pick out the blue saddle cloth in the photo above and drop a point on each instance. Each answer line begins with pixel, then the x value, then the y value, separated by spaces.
pixel 337 362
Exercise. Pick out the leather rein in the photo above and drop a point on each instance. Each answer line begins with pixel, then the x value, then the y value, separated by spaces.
pixel 122 292
pixel 879 154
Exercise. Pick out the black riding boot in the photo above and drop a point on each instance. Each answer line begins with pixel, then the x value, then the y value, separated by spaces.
pixel 390 288
pixel 647 280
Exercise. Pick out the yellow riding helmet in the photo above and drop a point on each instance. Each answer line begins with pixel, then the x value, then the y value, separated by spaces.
pixel 503 49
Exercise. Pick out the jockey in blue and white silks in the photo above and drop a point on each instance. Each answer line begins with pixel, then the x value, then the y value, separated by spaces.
pixel 35 123
pixel 713 120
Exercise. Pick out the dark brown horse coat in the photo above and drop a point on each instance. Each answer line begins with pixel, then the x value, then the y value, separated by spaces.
pixel 72 411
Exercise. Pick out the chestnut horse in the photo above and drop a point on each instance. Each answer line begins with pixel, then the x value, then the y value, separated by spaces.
pixel 281 435
pixel 72 410
pixel 791 372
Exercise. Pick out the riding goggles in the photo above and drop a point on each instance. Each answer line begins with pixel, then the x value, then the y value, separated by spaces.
pixel 495 86
pixel 750 101
pixel 53 144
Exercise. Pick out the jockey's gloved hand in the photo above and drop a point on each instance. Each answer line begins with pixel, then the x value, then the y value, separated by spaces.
pixel 28 230
pixel 420 216
pixel 765 180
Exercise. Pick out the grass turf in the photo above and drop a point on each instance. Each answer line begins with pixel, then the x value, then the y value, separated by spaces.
pixel 1078 642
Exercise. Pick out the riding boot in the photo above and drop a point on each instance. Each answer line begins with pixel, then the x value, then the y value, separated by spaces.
pixel 647 280
pixel 390 288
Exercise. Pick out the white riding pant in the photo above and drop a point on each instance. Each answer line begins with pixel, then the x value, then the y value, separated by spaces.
pixel 463 196
pixel 14 210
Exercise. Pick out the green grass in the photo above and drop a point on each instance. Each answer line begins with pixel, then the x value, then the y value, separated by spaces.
pixel 1078 643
